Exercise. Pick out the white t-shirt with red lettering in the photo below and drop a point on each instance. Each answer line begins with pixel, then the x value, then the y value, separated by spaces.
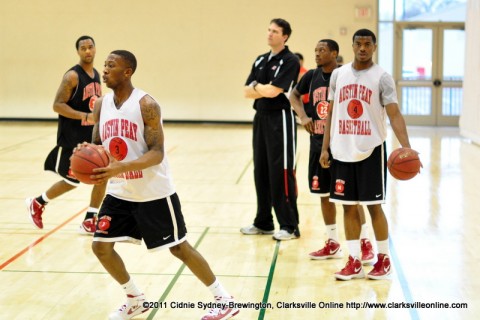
pixel 359 119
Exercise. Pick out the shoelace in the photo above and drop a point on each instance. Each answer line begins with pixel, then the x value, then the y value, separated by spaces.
pixel 126 304
pixel 349 264
pixel 214 311
pixel 122 308
pixel 326 248
pixel 378 266
pixel 37 204
pixel 366 245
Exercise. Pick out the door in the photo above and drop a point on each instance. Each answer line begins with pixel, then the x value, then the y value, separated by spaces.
pixel 429 65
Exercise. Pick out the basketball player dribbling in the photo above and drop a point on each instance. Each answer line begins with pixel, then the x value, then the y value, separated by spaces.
pixel 79 89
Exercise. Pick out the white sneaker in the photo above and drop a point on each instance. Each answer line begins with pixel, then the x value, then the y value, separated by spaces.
pixel 134 306
pixel 251 230
pixel 284 235
pixel 225 312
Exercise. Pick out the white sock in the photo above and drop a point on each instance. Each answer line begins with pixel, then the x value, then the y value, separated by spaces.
pixel 92 209
pixel 383 246
pixel 364 231
pixel 332 232
pixel 45 198
pixel 354 248
pixel 131 288
pixel 218 290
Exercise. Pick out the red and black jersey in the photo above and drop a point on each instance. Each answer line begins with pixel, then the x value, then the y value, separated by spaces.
pixel 315 83
pixel 70 131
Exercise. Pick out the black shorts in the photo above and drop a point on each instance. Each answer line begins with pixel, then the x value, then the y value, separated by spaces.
pixel 318 177
pixel 362 182
pixel 159 223
pixel 58 161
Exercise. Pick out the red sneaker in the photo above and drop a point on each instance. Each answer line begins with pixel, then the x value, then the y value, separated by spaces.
pixel 88 226
pixel 382 269
pixel 224 312
pixel 330 251
pixel 353 270
pixel 35 211
pixel 368 256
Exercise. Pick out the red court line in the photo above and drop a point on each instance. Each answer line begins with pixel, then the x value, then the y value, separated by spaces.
pixel 33 244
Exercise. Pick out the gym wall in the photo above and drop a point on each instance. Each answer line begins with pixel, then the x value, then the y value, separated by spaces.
pixel 193 56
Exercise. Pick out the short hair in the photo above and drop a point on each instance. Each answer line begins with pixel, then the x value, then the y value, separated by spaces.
pixel 364 33
pixel 128 57
pixel 331 44
pixel 77 44
pixel 282 23
pixel 299 55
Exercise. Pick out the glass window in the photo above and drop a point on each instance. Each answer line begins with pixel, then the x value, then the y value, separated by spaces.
pixel 417 54
pixel 453 55
pixel 385 10
pixel 385 46
pixel 452 101
pixel 428 10
pixel 416 101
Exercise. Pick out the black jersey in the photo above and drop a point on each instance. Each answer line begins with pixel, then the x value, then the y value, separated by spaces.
pixel 316 84
pixel 280 70
pixel 70 131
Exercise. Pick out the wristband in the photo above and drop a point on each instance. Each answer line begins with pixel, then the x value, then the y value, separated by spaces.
pixel 86 117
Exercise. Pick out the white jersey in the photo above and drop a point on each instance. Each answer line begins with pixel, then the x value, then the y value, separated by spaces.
pixel 122 134
pixel 359 117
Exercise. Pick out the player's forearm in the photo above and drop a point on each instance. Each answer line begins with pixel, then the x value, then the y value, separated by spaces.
pixel 397 122
pixel 68 112
pixel 297 104
pixel 148 159
pixel 328 125
pixel 268 90
pixel 399 128
pixel 250 93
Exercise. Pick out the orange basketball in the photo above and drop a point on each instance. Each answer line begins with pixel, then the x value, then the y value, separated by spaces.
pixel 404 163
pixel 84 160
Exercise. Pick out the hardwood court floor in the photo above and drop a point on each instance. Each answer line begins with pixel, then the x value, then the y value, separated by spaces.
pixel 434 224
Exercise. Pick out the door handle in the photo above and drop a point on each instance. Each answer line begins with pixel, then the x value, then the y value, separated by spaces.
pixel 437 83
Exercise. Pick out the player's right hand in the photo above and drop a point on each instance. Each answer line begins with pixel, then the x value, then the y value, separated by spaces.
pixel 324 159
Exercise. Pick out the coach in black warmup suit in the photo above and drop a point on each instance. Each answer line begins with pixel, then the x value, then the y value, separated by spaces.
pixel 272 76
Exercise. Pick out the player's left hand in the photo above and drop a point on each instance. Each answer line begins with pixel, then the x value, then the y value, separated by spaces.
pixel 307 123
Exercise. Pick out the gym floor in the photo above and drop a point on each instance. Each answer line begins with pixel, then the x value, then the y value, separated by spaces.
pixel 433 221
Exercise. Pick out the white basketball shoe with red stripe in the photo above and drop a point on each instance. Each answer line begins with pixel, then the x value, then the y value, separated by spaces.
pixel 133 307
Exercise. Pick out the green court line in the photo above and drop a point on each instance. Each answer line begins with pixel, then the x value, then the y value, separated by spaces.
pixel 243 172
pixel 175 278
pixel 261 316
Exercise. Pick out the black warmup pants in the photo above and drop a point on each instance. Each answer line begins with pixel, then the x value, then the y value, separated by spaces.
pixel 274 147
